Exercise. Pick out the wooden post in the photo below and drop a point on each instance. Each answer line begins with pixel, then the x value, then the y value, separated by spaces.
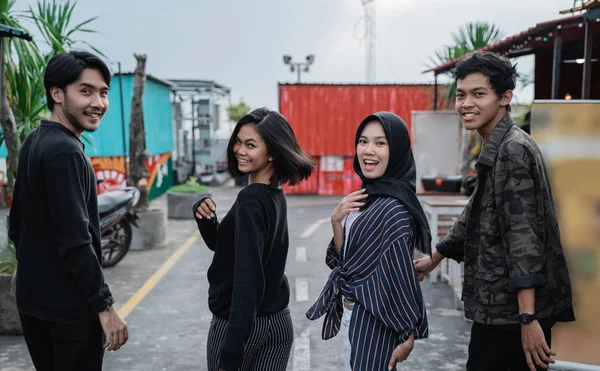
pixel 137 134
pixel 435 92
pixel 587 64
pixel 557 60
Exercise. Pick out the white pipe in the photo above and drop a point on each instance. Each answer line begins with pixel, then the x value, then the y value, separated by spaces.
pixel 573 366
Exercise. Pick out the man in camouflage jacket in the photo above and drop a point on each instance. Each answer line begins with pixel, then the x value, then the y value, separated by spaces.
pixel 516 282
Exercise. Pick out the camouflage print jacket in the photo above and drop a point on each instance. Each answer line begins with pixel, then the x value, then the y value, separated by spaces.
pixel 508 235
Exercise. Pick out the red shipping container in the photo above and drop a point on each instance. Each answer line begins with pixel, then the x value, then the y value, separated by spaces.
pixel 308 186
pixel 331 176
pixel 352 182
pixel 325 117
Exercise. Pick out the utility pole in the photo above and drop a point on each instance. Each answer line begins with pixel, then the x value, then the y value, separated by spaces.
pixel 299 66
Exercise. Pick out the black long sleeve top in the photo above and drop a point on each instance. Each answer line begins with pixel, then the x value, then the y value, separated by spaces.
pixel 54 224
pixel 246 276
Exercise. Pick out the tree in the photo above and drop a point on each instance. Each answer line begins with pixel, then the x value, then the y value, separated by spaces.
pixel 237 111
pixel 137 134
pixel 28 55
pixel 25 98
pixel 468 38
pixel 53 19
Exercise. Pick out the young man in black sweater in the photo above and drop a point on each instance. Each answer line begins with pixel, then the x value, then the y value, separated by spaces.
pixel 65 306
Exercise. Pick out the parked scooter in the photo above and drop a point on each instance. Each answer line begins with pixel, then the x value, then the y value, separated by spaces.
pixel 116 218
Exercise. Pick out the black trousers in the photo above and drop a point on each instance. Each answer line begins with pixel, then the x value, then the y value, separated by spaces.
pixel 499 348
pixel 269 345
pixel 64 346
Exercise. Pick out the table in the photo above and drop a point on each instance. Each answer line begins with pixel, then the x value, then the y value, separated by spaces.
pixel 442 213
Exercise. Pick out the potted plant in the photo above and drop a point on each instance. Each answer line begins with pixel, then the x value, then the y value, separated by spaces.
pixel 181 198
pixel 9 316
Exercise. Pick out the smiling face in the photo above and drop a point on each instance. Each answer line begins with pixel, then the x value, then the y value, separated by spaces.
pixel 373 150
pixel 82 104
pixel 478 105
pixel 251 153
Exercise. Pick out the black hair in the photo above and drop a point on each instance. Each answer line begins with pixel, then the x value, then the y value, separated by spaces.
pixel 66 67
pixel 290 162
pixel 499 70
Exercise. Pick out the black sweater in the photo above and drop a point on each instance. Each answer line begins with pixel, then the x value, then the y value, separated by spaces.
pixel 246 276
pixel 55 226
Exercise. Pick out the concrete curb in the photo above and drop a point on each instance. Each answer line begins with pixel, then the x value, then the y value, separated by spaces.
pixel 151 233
pixel 179 205
pixel 10 323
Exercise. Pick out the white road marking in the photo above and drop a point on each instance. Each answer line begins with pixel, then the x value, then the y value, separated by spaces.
pixel 301 255
pixel 301 360
pixel 301 289
pixel 313 227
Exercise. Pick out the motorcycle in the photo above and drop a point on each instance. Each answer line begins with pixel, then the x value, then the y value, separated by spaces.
pixel 116 218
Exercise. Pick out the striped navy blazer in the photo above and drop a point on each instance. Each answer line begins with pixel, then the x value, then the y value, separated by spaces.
pixel 377 272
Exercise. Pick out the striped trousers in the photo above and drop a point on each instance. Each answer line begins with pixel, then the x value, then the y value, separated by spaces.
pixel 267 349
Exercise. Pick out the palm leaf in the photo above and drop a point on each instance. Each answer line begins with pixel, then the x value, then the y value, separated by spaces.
pixel 468 38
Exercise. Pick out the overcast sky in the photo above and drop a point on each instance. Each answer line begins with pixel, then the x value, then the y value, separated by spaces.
pixel 240 43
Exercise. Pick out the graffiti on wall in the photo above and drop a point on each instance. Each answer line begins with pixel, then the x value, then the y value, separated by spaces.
pixel 3 171
pixel 111 172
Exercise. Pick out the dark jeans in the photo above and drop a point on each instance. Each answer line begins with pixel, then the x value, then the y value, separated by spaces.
pixel 499 348
pixel 64 346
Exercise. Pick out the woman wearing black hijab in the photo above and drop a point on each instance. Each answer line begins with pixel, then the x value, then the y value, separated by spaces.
pixel 373 287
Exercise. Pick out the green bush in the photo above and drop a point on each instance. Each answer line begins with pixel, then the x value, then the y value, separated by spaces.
pixel 8 260
pixel 190 186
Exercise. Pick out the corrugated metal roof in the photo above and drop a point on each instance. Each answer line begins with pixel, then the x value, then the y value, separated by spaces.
pixel 592 4
pixel 149 77
pixel 196 85
pixel 505 45
pixel 354 84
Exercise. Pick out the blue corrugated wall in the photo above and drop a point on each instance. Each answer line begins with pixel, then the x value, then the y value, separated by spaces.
pixel 108 140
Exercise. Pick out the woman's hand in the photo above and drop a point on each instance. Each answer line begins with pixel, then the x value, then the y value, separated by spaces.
pixel 206 209
pixel 350 203
pixel 402 351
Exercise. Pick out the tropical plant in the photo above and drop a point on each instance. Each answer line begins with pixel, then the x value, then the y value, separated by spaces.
pixel 469 38
pixel 8 260
pixel 25 86
pixel 25 65
pixel 53 19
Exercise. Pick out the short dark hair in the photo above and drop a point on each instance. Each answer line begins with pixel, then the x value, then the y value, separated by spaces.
pixel 66 67
pixel 290 162
pixel 499 70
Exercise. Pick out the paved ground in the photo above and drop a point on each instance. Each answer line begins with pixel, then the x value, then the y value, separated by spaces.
pixel 168 327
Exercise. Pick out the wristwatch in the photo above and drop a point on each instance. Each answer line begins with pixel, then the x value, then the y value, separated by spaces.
pixel 526 318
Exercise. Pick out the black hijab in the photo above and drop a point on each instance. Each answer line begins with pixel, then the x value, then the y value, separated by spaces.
pixel 399 178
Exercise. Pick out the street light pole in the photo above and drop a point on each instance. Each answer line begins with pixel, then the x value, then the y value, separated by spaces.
pixel 299 66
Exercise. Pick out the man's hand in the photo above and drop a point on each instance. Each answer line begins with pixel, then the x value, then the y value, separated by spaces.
pixel 535 347
pixel 115 329
pixel 425 265
pixel 402 351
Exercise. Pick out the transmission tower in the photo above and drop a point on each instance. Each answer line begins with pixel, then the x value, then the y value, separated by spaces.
pixel 370 17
